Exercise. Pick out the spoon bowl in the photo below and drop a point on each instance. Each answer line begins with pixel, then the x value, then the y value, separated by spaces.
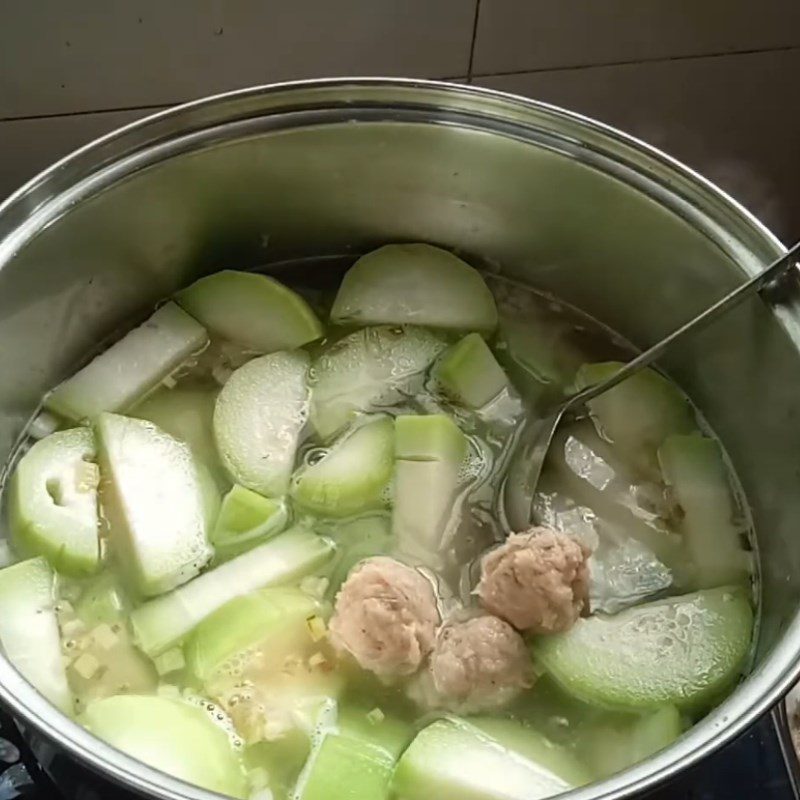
pixel 534 438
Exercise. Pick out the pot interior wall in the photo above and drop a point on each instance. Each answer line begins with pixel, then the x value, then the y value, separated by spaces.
pixel 638 257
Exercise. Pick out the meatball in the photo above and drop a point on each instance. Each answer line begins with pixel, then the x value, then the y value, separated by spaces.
pixel 477 665
pixel 538 581
pixel 385 617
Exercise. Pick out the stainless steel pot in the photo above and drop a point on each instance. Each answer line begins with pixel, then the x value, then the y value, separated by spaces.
pixel 336 167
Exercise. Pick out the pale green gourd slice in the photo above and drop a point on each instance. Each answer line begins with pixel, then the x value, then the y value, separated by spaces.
pixel 639 413
pixel 172 736
pixel 681 651
pixel 358 719
pixel 251 309
pixel 614 745
pixel 368 370
pixel 131 367
pixel 352 476
pixel 345 767
pixel 415 284
pixel 357 539
pixel 537 351
pixel 524 740
pixel 53 502
pixel 695 472
pixel 429 454
pixel 453 760
pixel 277 617
pixel 163 622
pixel 185 412
pixel 29 628
pixel 469 373
pixel 246 519
pixel 258 419
pixel 429 437
pixel 154 500
pixel 210 493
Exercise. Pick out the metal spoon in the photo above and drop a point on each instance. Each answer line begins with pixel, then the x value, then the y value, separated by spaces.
pixel 534 440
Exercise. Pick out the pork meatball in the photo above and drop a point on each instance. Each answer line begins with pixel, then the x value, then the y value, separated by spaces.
pixel 477 665
pixel 538 581
pixel 385 617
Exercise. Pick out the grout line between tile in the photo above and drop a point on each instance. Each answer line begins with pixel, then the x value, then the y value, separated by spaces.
pixel 697 57
pixel 154 106
pixel 474 39
pixel 90 111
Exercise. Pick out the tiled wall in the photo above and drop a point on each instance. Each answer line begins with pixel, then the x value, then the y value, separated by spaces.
pixel 713 82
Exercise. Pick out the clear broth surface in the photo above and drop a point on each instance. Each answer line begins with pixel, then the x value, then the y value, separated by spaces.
pixel 588 488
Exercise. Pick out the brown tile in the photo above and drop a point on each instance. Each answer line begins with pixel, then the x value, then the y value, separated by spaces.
pixel 728 117
pixel 94 55
pixel 534 34
pixel 32 145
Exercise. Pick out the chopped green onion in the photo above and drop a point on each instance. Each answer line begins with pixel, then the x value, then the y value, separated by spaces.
pixel 317 660
pixel 314 586
pixel 73 627
pixel 86 666
pixel 65 611
pixel 317 628
pixel 104 637
pixel 170 661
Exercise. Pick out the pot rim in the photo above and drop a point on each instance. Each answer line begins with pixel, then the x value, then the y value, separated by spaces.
pixel 31 203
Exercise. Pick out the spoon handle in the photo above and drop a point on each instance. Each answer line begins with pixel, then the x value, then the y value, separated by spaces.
pixel 712 313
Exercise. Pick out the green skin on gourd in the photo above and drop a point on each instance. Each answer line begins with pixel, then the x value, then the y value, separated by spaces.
pixel 390 733
pixel 367 370
pixel 253 310
pixel 683 651
pixel 429 453
pixel 469 373
pixel 357 539
pixel 172 736
pixel 529 743
pixel 538 355
pixel 271 616
pixel 246 519
pixel 186 413
pixel 344 766
pixel 258 420
pixel 165 621
pixel 155 503
pixel 352 477
pixel 454 760
pixel 54 502
pixel 610 746
pixel 29 636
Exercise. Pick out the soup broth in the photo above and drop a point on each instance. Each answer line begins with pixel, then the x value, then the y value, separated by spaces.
pixel 267 542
